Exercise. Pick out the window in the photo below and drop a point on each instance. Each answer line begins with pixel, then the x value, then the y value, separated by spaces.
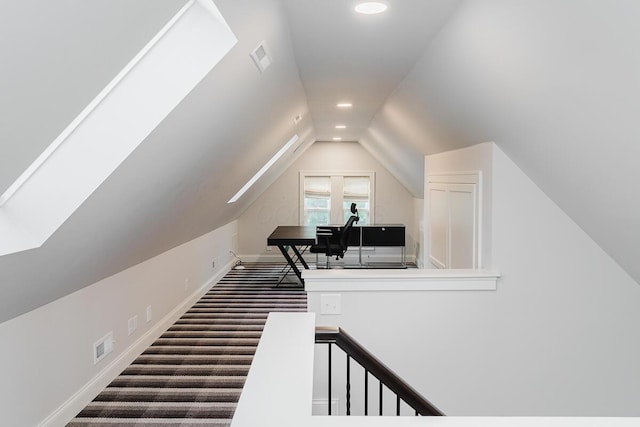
pixel 113 125
pixel 264 168
pixel 317 200
pixel 326 197
pixel 356 189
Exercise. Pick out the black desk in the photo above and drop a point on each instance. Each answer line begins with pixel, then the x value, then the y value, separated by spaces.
pixel 296 237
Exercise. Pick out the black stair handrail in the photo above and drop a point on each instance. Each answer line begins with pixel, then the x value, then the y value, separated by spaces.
pixel 373 365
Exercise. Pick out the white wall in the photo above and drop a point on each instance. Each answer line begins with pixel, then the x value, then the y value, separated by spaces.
pixel 556 84
pixel 558 337
pixel 279 204
pixel 46 362
pixel 474 158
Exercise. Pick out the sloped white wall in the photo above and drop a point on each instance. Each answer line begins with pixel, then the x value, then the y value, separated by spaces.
pixel 556 84
pixel 174 187
pixel 46 362
pixel 279 204
pixel 558 337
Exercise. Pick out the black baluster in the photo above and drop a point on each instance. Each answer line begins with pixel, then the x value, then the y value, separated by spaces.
pixel 397 404
pixel 416 413
pixel 329 404
pixel 348 385
pixel 381 398
pixel 366 392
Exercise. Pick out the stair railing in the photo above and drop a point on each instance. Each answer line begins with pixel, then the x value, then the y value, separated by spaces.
pixel 331 335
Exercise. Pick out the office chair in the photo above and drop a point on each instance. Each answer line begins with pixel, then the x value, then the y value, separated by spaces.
pixel 334 241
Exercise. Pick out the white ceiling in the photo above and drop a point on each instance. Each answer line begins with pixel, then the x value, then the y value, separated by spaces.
pixel 346 56
pixel 555 84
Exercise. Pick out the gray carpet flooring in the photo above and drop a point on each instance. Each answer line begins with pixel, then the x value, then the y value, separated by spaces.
pixel 194 373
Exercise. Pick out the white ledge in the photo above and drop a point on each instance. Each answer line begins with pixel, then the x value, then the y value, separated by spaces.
pixel 279 386
pixel 362 280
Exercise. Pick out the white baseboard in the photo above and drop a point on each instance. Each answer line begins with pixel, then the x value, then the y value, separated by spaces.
pixel 275 257
pixel 72 406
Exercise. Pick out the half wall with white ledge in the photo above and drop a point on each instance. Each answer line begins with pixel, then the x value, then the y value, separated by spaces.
pixel 278 390
pixel 394 280
pixel 398 315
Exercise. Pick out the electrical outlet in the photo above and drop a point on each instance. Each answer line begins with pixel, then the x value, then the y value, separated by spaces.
pixel 186 284
pixel 330 304
pixel 132 324
pixel 149 314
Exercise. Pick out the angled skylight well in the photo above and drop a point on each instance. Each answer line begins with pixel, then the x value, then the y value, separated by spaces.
pixel 110 128
pixel 263 169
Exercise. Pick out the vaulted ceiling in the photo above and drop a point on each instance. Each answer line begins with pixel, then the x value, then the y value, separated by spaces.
pixel 555 84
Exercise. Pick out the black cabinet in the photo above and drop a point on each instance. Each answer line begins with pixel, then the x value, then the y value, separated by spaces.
pixel 379 235
pixel 383 235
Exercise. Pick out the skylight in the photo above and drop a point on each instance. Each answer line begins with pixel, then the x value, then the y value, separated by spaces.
pixel 264 168
pixel 112 126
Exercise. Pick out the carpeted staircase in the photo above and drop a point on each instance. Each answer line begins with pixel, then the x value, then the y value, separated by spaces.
pixel 194 373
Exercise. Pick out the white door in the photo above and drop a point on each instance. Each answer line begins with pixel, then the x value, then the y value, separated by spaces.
pixel 439 225
pixel 453 221
pixel 462 226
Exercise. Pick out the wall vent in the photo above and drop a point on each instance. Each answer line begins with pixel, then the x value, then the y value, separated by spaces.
pixel 102 347
pixel 261 56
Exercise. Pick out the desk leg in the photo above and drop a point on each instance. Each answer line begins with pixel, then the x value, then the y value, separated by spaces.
pixel 290 261
pixel 299 255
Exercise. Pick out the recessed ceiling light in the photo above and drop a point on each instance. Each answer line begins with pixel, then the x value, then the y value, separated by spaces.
pixel 341 127
pixel 344 105
pixel 337 138
pixel 371 7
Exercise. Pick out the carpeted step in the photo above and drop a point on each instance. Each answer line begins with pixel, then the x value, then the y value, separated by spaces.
pixel 154 394
pixel 159 409
pixel 193 359
pixel 157 369
pixel 183 381
pixel 148 422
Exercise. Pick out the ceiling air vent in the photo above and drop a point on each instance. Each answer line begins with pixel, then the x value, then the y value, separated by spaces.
pixel 261 56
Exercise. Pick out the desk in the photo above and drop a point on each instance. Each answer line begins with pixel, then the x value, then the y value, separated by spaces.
pixel 299 237
pixel 296 237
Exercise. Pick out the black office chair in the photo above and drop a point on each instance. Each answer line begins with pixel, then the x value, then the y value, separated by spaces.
pixel 333 241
